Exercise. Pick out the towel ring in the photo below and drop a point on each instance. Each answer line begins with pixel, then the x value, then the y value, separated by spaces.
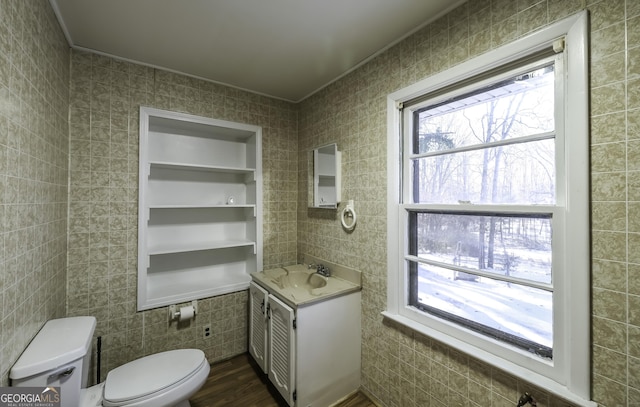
pixel 348 212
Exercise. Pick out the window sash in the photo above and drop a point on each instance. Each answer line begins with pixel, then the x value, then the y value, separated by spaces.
pixel 413 261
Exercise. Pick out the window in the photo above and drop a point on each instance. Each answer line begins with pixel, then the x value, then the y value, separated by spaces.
pixel 488 208
pixel 481 167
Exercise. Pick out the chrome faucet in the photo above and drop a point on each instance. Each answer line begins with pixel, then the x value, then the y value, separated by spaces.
pixel 323 270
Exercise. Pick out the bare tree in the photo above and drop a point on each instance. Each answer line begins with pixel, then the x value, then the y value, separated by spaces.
pixel 495 127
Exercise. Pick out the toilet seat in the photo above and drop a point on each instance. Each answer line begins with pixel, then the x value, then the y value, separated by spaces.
pixel 159 379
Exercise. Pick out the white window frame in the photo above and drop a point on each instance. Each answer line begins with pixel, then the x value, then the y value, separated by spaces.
pixel 568 375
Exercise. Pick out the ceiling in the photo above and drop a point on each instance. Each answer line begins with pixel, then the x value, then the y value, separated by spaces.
pixel 287 49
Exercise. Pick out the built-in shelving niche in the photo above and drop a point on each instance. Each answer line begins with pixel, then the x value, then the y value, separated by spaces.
pixel 200 207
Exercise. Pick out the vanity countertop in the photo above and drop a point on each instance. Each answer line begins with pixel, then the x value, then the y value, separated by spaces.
pixel 298 285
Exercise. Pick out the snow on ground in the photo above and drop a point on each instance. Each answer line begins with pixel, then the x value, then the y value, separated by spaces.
pixel 518 310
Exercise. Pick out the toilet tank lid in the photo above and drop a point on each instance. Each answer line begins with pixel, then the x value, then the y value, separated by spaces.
pixel 60 341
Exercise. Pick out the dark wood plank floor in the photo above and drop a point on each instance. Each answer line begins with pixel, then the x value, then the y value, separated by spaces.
pixel 238 382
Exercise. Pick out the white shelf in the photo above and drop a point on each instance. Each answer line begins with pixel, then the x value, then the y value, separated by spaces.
pixel 176 186
pixel 192 242
pixel 202 206
pixel 211 245
pixel 199 167
pixel 161 287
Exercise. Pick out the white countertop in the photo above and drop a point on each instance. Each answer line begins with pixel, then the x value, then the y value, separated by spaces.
pixel 297 296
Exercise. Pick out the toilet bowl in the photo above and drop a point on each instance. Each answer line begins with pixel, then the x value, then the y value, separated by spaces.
pixel 59 356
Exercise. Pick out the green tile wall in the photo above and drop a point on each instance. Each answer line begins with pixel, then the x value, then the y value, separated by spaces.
pixel 34 144
pixel 402 368
pixel 106 94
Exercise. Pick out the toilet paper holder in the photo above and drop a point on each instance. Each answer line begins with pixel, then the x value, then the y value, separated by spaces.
pixel 175 313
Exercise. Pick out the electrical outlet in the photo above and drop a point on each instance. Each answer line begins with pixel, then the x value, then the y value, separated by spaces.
pixel 206 332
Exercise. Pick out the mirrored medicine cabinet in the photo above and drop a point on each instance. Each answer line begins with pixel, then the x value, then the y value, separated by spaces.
pixel 325 177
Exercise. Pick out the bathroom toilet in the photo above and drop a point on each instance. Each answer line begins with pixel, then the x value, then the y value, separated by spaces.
pixel 59 356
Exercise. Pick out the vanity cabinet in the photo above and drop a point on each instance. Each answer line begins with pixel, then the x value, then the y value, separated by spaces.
pixel 310 353
pixel 272 339
pixel 200 209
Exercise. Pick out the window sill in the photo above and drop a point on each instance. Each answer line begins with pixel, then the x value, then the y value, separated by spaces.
pixel 520 372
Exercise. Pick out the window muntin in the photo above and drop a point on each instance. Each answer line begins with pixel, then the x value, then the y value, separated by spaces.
pixel 485 149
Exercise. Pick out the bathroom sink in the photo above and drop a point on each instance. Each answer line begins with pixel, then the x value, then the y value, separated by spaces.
pixel 298 284
pixel 307 279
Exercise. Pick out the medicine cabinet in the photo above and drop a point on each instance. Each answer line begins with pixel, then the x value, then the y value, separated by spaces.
pixel 326 181
pixel 200 207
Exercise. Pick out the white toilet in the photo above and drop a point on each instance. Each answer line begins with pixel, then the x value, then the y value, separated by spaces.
pixel 59 356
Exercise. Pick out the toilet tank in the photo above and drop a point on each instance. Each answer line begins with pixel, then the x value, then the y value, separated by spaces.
pixel 58 356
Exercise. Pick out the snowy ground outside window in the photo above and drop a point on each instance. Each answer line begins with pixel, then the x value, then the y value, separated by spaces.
pixel 518 310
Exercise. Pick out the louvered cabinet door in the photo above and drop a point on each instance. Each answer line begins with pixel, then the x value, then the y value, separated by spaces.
pixel 282 348
pixel 258 325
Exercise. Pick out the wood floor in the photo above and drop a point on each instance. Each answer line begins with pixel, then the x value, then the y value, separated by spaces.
pixel 237 382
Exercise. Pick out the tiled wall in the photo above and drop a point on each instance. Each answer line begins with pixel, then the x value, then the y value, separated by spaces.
pixel 405 369
pixel 34 99
pixel 400 368
pixel 102 278
pixel 615 190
